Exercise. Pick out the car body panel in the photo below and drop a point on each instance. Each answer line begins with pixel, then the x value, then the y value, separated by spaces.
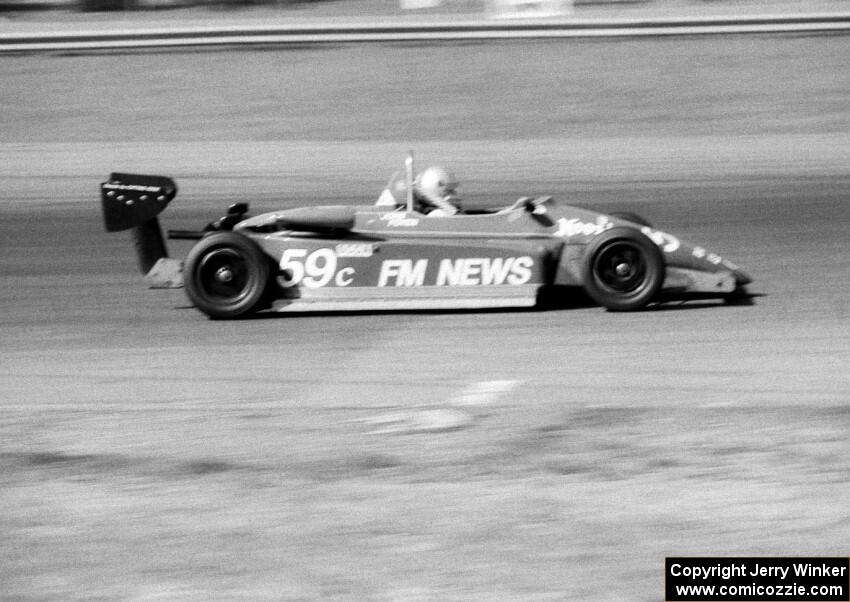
pixel 372 268
pixel 490 251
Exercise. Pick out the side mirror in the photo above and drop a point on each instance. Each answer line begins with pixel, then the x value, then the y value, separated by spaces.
pixel 537 208
pixel 536 205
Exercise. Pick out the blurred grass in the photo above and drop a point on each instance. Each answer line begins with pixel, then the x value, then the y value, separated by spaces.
pixel 515 505
pixel 592 444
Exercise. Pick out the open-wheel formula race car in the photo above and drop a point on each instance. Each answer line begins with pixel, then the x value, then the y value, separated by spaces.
pixel 396 256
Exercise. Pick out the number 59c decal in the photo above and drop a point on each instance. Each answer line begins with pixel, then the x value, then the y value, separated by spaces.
pixel 313 270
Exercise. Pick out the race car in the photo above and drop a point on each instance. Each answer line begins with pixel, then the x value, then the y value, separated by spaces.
pixel 395 255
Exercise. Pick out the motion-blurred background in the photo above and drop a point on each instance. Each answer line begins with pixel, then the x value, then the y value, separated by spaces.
pixel 378 8
pixel 147 453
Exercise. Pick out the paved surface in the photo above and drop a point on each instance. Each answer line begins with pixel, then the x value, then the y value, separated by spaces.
pixel 148 452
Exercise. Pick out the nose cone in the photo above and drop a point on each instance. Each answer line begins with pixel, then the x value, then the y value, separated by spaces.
pixel 741 277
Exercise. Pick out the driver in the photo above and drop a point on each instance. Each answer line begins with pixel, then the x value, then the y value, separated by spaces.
pixel 435 189
pixel 433 192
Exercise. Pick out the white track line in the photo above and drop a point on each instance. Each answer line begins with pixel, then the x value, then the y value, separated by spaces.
pixel 456 415
pixel 483 393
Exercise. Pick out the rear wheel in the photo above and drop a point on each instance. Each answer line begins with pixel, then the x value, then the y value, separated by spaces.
pixel 226 275
pixel 623 269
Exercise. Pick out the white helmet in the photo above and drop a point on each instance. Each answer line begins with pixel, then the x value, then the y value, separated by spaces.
pixel 436 182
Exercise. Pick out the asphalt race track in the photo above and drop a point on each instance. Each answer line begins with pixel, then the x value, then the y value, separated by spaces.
pixel 149 453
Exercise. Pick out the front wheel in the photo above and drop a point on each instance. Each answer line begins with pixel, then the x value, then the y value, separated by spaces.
pixel 226 275
pixel 623 269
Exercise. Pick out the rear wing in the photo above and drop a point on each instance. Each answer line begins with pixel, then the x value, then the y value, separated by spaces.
pixel 129 200
pixel 132 202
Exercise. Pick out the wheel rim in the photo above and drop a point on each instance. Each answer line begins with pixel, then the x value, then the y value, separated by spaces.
pixel 620 268
pixel 223 276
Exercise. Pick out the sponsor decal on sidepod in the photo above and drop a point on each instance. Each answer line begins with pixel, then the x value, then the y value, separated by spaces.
pixel 319 268
pixel 574 227
pixel 467 271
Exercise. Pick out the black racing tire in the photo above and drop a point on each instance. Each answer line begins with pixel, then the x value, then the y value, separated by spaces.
pixel 226 275
pixel 623 269
pixel 632 217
